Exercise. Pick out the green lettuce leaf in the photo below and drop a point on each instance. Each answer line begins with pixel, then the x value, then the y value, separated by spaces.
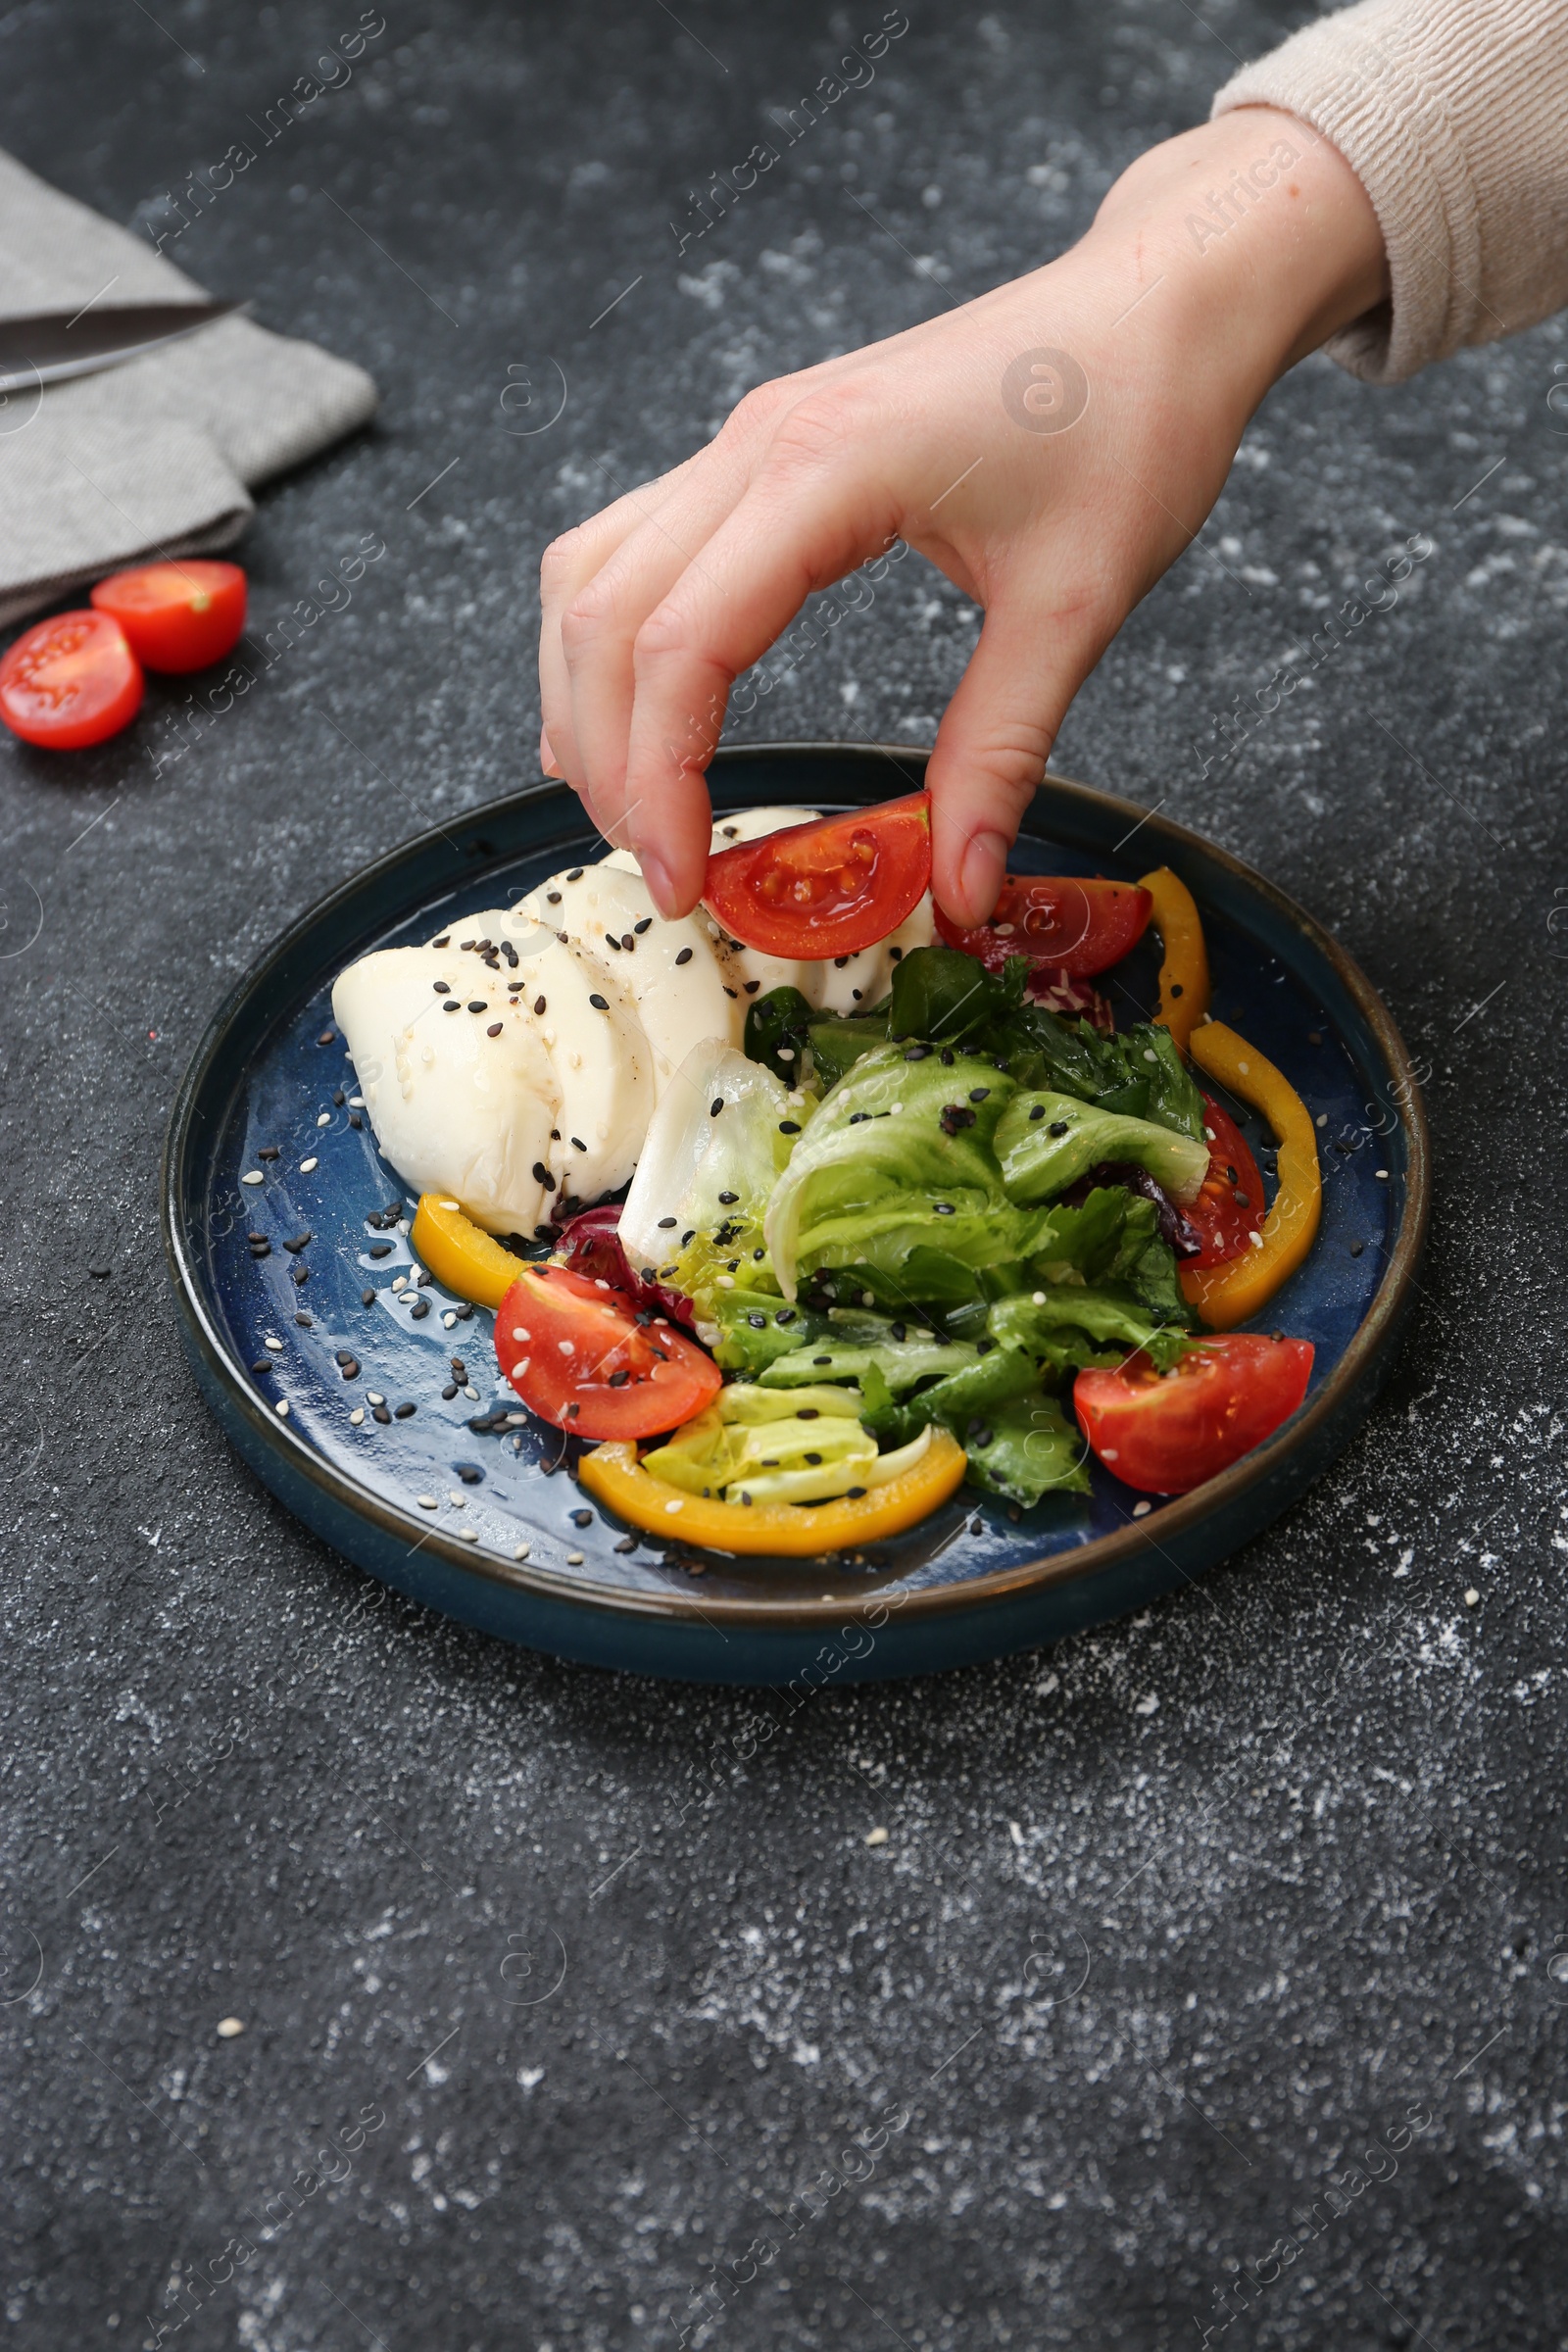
pixel 1066 1325
pixel 1027 1448
pixel 1046 1142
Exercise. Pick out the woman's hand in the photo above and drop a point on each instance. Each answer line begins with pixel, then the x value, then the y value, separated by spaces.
pixel 1053 445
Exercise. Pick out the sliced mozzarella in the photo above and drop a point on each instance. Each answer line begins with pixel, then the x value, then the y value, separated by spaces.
pixel 599 1056
pixel 854 983
pixel 670 971
pixel 455 1110
pixel 730 826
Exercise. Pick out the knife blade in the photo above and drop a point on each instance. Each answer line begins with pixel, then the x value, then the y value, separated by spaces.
pixel 52 345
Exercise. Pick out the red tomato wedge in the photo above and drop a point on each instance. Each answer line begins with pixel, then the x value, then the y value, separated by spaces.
pixel 1166 1433
pixel 829 888
pixel 179 616
pixel 1075 925
pixel 69 681
pixel 1229 1207
pixel 581 1357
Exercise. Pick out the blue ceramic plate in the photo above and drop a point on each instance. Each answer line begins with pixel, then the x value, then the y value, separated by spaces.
pixel 503 1549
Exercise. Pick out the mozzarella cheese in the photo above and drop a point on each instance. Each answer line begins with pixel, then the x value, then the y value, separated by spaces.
pixel 595 1001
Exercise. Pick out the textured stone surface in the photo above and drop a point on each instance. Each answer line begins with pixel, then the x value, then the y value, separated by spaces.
pixel 1169 1925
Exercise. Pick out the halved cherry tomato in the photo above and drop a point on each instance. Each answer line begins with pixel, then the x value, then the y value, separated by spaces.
pixel 1078 924
pixel 581 1358
pixel 1230 1205
pixel 1166 1433
pixel 177 616
pixel 829 888
pixel 69 681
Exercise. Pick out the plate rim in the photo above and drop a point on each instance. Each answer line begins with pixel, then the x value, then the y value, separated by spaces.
pixel 800 1613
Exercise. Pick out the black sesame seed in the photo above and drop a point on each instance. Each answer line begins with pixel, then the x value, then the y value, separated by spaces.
pixel 329 1037
pixel 854 1493
pixel 813 1459
pixel 626 1543
pixel 298 1243
pixel 715 1107
pixel 300 1275
pixel 379 1250
pixel 946 1057
pixel 1314 1037
pixel 450 1390
pixel 575 875
pixel 899 1331
pixel 821 1359
pixel 419 1310
pixel 451 1005
pixel 984 1347
pixel 355 1119
pixel 1058 1127
pixel 582 1518
pixel 600 1004
pixel 470 1472
pixel 366 1298
pixel 305 1322
pixel 785 1316
pixel 978 1094
pixel 1356 1249
pixel 839 961
pixel 260 1249
pixel 267 1152
pixel 757 1322
pixel 1039 1111
pixel 494 1029
pixel 379 1412
pixel 265 1365
pixel 618 1379
pixel 945 1209
pixel 345 1356
pixel 684 956
pixel 1176 988
pixel 443 988
pixel 552 898
pixel 688 1236
pixel 351 1367
pixel 404 1412
pixel 477 1004
pixel 611 941
pixel 789 1126
pixel 445 940
pixel 538 1004
pixel 577 1144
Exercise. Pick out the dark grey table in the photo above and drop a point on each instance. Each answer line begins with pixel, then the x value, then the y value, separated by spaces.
pixel 564 2023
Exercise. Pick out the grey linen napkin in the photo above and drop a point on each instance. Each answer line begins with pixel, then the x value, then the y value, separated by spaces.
pixel 157 456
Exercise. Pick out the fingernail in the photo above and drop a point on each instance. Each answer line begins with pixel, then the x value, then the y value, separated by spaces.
pixel 980 871
pixel 656 875
pixel 547 757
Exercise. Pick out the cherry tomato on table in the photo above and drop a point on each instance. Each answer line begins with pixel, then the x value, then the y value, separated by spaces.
pixel 1230 1205
pixel 829 888
pixel 1078 924
pixel 1166 1433
pixel 179 616
pixel 582 1359
pixel 69 681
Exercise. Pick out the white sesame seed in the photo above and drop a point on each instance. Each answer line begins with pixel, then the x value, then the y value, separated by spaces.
pixel 676 1505
pixel 399 1280
pixel 1141 1510
pixel 457 1498
pixel 1256 1240
pixel 325 1119
pixel 449 1320
pixel 1381 1175
pixel 1471 1598
pixel 228 2026
pixel 567 1346
pixel 373 1396
pixel 521 1552
pixel 307 1166
pixel 473 1393
pixel 1039 1299
pixel 276 1346
pixel 427 1502
pixel 280 1408
pixel 1245 1067
pixel 1209 1135
pixel 253 1176
pixel 470 1534
pixel 519 1332
pixel 724 1282
pixel 355 1102
pixel 876 1837
pixel 575 1559
pixel 357 1417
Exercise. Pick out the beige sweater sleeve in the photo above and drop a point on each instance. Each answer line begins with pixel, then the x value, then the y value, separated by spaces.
pixel 1454 114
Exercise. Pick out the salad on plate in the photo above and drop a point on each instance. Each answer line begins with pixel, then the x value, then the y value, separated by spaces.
pixel 807 1208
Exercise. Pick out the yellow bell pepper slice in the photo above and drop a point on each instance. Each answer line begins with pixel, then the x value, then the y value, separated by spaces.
pixel 460 1254
pixel 1184 959
pixel 613 1475
pixel 1225 1295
